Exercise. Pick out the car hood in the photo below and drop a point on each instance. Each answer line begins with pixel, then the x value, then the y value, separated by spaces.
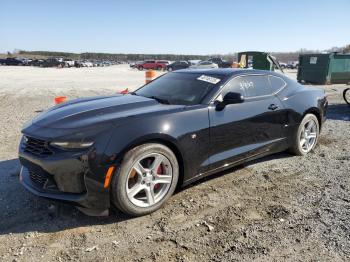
pixel 99 110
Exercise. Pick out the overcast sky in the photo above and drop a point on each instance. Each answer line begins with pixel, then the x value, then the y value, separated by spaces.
pixel 177 26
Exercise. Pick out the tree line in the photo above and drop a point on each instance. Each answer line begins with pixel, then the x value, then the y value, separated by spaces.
pixel 113 57
pixel 281 56
pixel 140 57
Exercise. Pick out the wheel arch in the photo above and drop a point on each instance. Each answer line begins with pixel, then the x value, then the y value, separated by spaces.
pixel 315 111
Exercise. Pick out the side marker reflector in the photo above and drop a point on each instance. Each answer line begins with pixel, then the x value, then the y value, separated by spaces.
pixel 108 176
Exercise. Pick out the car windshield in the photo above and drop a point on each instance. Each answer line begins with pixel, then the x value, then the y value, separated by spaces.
pixel 180 88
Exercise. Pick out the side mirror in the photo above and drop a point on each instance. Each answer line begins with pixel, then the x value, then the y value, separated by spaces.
pixel 230 98
pixel 233 98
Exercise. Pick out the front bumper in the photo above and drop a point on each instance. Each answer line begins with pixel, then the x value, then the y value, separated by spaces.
pixel 74 198
pixel 65 178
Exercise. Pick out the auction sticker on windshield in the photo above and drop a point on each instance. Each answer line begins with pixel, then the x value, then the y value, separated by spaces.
pixel 209 79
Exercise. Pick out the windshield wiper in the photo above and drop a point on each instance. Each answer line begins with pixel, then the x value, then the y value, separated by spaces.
pixel 160 100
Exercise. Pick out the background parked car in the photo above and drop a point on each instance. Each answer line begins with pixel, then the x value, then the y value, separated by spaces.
pixel 135 64
pixel 178 65
pixel 11 61
pixel 293 64
pixel 152 64
pixel 167 62
pixel 98 63
pixel 35 62
pixel 87 64
pixel 27 61
pixel 107 63
pixel 220 62
pixel 194 62
pixel 204 64
pixel 69 63
pixel 283 65
pixel 52 62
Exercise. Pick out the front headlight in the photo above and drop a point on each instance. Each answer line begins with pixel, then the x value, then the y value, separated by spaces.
pixel 72 145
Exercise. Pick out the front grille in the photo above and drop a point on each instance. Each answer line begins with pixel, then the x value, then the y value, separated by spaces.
pixel 37 147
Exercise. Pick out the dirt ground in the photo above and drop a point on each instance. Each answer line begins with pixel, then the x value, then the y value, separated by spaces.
pixel 279 208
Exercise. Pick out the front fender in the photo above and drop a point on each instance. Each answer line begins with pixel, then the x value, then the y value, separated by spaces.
pixel 185 132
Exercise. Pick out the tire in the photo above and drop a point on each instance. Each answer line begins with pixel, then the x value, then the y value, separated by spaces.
pixel 159 68
pixel 170 69
pixel 140 68
pixel 299 148
pixel 346 95
pixel 133 200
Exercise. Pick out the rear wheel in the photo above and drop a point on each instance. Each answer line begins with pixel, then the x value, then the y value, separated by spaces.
pixel 146 179
pixel 170 69
pixel 159 68
pixel 346 95
pixel 140 68
pixel 307 135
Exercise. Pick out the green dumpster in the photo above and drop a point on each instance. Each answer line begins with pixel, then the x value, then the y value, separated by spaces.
pixel 330 68
pixel 258 60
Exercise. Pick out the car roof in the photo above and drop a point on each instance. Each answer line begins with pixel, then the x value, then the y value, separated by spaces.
pixel 227 72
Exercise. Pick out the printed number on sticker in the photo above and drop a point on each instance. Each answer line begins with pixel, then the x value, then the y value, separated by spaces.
pixel 209 79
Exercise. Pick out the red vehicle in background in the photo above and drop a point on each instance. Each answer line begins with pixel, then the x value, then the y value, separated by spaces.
pixel 153 64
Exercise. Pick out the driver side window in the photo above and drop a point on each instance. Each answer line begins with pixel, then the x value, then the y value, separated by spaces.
pixel 249 86
pixel 234 85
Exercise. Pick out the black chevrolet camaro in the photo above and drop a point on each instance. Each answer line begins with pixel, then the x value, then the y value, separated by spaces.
pixel 132 151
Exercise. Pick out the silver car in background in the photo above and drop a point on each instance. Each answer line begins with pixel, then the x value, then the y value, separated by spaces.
pixel 204 64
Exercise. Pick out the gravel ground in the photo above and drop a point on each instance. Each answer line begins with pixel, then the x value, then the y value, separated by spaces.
pixel 279 208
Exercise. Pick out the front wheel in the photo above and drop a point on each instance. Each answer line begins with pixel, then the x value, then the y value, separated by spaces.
pixel 307 135
pixel 346 95
pixel 146 179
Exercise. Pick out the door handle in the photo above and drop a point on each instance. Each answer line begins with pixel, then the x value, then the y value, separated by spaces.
pixel 273 107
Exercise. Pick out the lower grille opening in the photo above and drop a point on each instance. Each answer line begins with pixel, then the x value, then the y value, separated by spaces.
pixel 43 181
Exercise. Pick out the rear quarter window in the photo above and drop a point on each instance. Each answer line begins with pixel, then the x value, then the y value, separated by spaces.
pixel 276 83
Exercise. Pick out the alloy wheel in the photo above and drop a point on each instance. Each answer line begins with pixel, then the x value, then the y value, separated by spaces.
pixel 149 180
pixel 308 136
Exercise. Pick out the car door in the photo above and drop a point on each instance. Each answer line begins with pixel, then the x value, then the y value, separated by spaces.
pixel 149 64
pixel 247 129
pixel 183 65
pixel 177 65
